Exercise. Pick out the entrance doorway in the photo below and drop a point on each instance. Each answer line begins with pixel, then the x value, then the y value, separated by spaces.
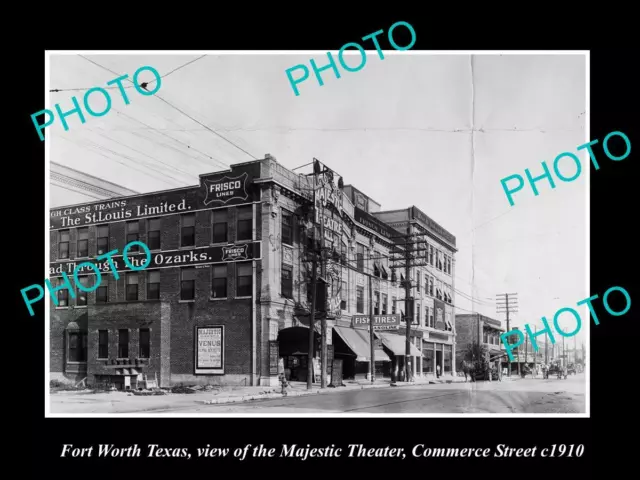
pixel 438 361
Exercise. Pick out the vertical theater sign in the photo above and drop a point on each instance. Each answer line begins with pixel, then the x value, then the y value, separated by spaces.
pixel 328 211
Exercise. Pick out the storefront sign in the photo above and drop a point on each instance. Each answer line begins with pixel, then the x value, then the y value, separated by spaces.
pixel 225 189
pixel 372 223
pixel 438 336
pixel 431 225
pixel 235 253
pixel 439 314
pixel 168 259
pixel 380 322
pixel 210 350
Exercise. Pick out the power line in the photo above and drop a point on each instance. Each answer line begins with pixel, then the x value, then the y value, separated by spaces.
pixel 179 110
pixel 75 191
pixel 181 66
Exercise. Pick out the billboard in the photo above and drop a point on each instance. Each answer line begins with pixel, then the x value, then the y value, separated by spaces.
pixel 215 190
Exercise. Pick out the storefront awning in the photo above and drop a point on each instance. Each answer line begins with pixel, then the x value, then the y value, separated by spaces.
pixel 358 342
pixel 397 344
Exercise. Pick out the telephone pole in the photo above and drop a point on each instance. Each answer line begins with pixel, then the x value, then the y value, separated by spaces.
pixel 408 304
pixel 409 258
pixel 508 303
pixel 372 362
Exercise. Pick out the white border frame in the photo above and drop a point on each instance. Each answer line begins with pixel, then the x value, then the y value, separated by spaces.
pixel 47 190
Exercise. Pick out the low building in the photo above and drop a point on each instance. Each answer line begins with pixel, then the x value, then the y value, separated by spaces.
pixel 474 327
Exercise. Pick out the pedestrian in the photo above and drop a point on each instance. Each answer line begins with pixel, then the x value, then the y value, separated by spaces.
pixel 465 370
pixel 438 371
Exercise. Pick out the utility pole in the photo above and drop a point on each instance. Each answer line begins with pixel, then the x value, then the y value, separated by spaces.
pixel 508 303
pixel 372 362
pixel 323 318
pixel 312 316
pixel 408 303
pixel 546 354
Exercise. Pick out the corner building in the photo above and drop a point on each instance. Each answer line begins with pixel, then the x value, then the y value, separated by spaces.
pixel 226 297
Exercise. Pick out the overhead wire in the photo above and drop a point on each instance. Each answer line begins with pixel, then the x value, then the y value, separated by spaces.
pixel 179 110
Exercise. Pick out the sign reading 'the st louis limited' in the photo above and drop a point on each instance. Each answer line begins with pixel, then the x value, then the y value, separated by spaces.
pixel 380 322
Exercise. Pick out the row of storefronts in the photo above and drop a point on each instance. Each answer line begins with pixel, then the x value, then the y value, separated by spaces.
pixel 226 297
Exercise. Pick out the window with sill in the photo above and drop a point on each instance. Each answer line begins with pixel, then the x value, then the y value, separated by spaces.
pixel 384 303
pixel 359 299
pixel 219 281
pixel 144 343
pixel 83 242
pixel 102 293
pixel 102 239
pixel 360 257
pixel 220 229
pixel 244 279
pixel 132 287
pixel 123 343
pixel 244 223
pixel 188 230
pixel 133 235
pixel 343 296
pixel 394 305
pixel 81 295
pixel 153 233
pixel 63 244
pixel 287 227
pixel 188 283
pixel 62 294
pixel 153 285
pixel 103 344
pixel 286 282
pixel 77 347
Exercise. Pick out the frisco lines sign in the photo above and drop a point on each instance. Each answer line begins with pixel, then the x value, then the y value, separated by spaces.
pixel 226 189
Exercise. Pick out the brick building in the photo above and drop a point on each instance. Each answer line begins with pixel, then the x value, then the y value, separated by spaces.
pixel 470 327
pixel 226 296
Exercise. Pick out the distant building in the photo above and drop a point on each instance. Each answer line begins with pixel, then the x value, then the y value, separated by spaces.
pixel 472 326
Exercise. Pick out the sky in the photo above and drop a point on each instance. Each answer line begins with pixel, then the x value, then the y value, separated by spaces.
pixel 435 131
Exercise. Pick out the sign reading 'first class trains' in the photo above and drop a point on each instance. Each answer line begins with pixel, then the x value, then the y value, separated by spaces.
pixel 168 259
pixel 214 191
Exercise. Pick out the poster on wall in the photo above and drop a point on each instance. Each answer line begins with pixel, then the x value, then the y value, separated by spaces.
pixel 439 314
pixel 209 350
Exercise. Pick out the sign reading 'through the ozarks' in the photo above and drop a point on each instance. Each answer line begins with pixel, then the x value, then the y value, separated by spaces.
pixel 168 259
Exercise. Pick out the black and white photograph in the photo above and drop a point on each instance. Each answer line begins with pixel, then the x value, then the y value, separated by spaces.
pixel 305 234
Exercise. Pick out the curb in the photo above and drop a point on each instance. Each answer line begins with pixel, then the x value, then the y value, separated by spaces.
pixel 248 398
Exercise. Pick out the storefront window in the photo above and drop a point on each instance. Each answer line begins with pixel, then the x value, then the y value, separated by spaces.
pixel 428 361
pixel 447 358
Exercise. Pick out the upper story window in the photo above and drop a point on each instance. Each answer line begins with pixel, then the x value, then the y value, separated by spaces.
pixel 220 226
pixel 286 281
pixel 132 286
pixel 82 294
pixel 359 299
pixel 153 284
pixel 360 257
pixel 244 223
pixel 102 239
pixel 83 242
pixel 153 234
pixel 376 303
pixel 187 283
pixel 188 230
pixel 219 281
pixel 287 227
pixel 244 279
pixel 63 244
pixel 133 235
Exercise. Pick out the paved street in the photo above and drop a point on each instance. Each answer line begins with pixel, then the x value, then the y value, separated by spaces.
pixel 516 396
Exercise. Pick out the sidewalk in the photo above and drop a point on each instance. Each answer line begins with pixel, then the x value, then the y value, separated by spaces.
pixel 297 389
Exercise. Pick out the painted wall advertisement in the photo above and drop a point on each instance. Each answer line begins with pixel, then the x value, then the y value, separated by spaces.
pixel 210 350
pixel 430 224
pixel 166 259
pixel 218 190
